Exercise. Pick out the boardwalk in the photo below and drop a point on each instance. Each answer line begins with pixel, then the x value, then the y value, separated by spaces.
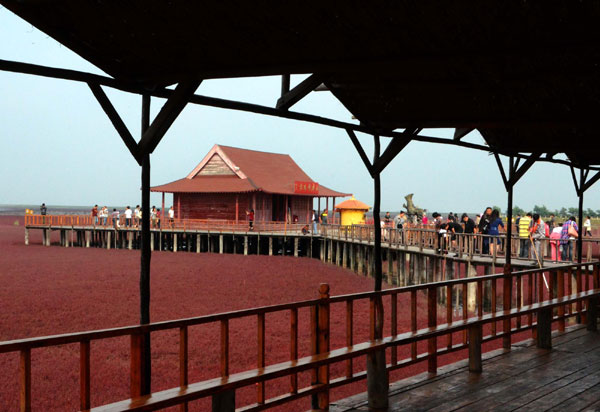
pixel 565 378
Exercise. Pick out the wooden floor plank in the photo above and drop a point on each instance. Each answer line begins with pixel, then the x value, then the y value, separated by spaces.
pixel 526 378
pixel 583 401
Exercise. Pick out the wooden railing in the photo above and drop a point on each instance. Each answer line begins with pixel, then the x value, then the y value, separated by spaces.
pixel 457 313
pixel 461 244
pixel 215 225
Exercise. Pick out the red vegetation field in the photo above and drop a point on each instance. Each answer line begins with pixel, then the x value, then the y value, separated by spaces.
pixel 51 290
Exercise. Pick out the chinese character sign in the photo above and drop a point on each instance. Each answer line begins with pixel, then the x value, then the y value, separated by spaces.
pixel 306 188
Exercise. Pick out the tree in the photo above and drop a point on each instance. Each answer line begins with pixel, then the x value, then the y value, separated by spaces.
pixel 542 210
pixel 590 212
pixel 573 211
pixel 517 211
pixel 562 212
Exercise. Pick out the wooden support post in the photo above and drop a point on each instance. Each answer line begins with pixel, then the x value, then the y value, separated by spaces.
pixel 345 255
pixel 26 236
pixel 221 244
pixel 129 240
pixel 245 245
pixel 322 249
pixel 175 236
pixel 296 247
pixel 338 255
pixel 151 241
pixel 84 375
pixel 544 328
pixel 592 314
pixel 88 235
pixel 270 245
pixel 108 235
pixel 352 256
pixel 475 336
pixel 197 242
pixel 224 401
pixel 390 267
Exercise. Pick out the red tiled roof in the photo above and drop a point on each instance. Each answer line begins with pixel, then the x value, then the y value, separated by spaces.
pixel 267 172
pixel 207 184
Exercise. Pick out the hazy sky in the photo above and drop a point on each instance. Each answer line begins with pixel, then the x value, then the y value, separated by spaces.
pixel 58 146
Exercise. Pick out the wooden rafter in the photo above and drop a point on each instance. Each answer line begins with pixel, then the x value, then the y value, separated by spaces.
pixel 296 94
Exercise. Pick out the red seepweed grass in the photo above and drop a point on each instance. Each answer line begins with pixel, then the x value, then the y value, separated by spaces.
pixel 58 290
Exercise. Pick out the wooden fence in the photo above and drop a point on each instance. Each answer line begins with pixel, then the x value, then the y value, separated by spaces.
pixel 518 302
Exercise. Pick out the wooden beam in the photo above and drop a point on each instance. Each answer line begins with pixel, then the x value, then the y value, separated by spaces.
pixel 524 168
pixel 590 182
pixel 360 151
pixel 502 173
pixel 396 145
pixel 167 115
pixel 461 132
pixel 293 96
pixel 575 181
pixel 116 120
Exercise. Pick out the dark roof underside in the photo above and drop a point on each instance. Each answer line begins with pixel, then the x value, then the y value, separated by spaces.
pixel 526 74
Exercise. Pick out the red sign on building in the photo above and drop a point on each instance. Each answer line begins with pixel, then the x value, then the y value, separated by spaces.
pixel 306 188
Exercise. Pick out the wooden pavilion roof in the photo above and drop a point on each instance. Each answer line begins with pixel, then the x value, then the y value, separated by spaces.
pixel 526 74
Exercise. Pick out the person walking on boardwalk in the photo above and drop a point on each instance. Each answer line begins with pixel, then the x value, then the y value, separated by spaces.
pixel 137 215
pixel 524 224
pixel 115 218
pixel 314 218
pixel 555 243
pixel 128 214
pixel 538 233
pixel 95 214
pixel 172 217
pixel 484 228
pixel 587 226
pixel 153 216
pixel 570 231
pixel 250 215
pixel 494 230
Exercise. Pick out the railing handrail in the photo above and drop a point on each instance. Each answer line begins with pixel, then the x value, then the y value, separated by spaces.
pixel 74 337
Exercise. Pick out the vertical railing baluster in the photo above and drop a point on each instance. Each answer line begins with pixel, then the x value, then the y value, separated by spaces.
pixel 465 307
pixel 394 326
pixel 530 298
pixel 25 380
pixel 224 348
pixel 183 362
pixel 560 292
pixel 413 322
pixel 84 374
pixel 432 323
pixel 519 298
pixel 494 301
pixel 260 387
pixel 579 290
pixel 137 350
pixel 479 298
pixel 449 312
pixel 349 334
pixel 294 347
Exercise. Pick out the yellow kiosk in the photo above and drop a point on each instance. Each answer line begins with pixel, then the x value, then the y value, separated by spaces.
pixel 352 212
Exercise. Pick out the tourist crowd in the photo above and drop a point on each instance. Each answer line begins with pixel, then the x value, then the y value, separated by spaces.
pixel 531 229
pixel 129 217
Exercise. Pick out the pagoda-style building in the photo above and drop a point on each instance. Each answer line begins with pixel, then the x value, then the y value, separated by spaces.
pixel 229 181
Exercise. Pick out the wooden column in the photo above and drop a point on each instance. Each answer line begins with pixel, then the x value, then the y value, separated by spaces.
pixel 475 336
pixel 245 245
pixel 146 254
pixel 544 328
pixel 26 236
pixel 221 244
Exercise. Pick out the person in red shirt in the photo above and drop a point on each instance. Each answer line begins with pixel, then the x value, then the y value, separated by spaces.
pixel 250 215
pixel 95 214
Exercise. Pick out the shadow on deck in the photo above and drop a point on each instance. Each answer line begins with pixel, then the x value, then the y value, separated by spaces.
pixel 566 378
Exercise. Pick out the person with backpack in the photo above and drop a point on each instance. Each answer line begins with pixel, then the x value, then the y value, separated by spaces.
pixel 570 231
pixel 538 233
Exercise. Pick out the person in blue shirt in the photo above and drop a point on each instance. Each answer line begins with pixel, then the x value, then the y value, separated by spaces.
pixel 494 229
